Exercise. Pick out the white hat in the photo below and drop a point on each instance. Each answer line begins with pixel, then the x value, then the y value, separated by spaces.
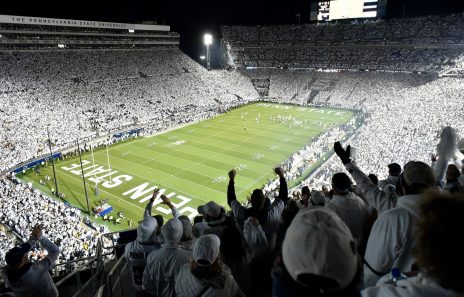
pixel 206 249
pixel 415 172
pixel 317 197
pixel 146 230
pixel 318 242
pixel 211 209
pixel 172 230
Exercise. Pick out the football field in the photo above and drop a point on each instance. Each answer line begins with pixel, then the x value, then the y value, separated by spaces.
pixel 190 164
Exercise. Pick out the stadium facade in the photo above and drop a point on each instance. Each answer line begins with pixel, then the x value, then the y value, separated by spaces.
pixel 22 32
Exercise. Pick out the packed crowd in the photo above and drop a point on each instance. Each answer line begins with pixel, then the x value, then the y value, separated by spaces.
pixel 84 94
pixel 420 105
pixel 425 44
pixel 420 30
pixel 22 207
pixel 87 91
pixel 381 58
pixel 369 243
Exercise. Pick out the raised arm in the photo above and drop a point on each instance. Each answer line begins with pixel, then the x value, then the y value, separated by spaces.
pixel 147 212
pixel 238 210
pixel 283 191
pixel 380 200
pixel 167 201
pixel 231 187
pixel 52 249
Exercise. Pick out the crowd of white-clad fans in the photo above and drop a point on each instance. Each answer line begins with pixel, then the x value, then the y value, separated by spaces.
pixel 23 206
pixel 87 91
pixel 403 117
pixel 84 94
pixel 425 30
pixel 424 44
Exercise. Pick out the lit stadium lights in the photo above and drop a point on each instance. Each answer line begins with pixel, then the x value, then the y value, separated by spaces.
pixel 208 40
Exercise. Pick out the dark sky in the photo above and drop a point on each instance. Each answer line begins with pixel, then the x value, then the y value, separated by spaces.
pixel 191 19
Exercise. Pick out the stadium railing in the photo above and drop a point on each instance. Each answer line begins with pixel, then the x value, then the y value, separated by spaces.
pixel 111 278
pixel 90 277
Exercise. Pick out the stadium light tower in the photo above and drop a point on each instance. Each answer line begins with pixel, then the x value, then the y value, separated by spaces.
pixel 202 58
pixel 208 39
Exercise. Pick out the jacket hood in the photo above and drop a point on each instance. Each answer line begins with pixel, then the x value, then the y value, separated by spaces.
pixel 411 204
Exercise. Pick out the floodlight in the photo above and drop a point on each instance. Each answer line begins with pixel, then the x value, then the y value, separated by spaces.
pixel 208 39
pixel 131 30
pixel 202 57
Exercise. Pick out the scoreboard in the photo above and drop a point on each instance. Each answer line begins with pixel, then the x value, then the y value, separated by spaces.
pixel 350 9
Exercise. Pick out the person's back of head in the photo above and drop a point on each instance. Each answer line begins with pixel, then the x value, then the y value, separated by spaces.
pixel 160 221
pixel 440 248
pixel 211 211
pixel 17 263
pixel 452 173
pixel 417 178
pixel 341 184
pixel 257 199
pixel 146 231
pixel 206 264
pixel 394 169
pixel 319 253
pixel 317 198
pixel 172 231
pixel 305 192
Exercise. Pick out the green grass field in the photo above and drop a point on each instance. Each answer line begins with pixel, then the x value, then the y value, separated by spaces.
pixel 190 164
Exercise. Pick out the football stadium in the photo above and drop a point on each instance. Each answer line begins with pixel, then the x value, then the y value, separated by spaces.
pixel 190 164
pixel 319 157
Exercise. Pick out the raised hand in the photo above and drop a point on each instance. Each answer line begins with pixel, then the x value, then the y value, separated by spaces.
pixel 36 232
pixel 279 171
pixel 165 200
pixel 232 174
pixel 155 193
pixel 343 154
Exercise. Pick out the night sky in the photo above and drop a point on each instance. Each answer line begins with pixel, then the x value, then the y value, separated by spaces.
pixel 191 19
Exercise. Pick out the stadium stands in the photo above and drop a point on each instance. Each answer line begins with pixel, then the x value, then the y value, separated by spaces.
pixel 87 93
pixel 89 88
pixel 426 44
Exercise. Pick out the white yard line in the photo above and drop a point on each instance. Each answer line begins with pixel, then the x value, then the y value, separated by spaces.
pixel 170 175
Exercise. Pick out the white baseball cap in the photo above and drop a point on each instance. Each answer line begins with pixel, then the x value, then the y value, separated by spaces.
pixel 146 230
pixel 206 249
pixel 211 209
pixel 172 230
pixel 318 242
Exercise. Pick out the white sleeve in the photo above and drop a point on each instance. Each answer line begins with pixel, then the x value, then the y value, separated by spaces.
pixel 380 200
pixel 255 239
pixel 53 253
